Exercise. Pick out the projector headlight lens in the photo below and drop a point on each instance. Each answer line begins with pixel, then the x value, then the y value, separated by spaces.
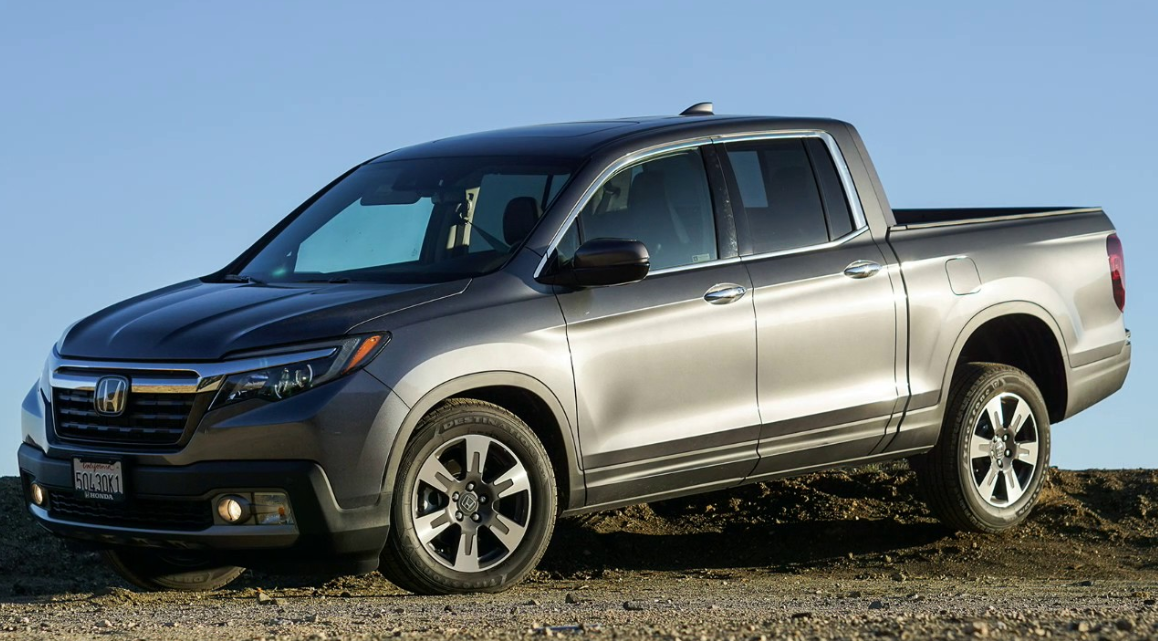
pixel 277 383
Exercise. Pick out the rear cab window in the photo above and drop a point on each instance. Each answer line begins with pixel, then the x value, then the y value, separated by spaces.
pixel 789 191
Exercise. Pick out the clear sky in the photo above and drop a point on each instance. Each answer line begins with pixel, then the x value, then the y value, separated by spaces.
pixel 146 143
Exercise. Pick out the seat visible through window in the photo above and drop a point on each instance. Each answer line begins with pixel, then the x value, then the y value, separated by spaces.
pixel 664 203
pixel 519 218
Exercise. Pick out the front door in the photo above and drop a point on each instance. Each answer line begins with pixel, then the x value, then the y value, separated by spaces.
pixel 665 368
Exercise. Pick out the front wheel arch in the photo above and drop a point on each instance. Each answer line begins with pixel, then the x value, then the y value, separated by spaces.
pixel 558 437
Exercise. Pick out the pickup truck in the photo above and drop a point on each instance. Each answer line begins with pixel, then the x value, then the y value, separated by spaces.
pixel 454 343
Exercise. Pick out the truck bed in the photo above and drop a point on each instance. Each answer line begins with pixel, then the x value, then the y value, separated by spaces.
pixel 1051 262
pixel 965 215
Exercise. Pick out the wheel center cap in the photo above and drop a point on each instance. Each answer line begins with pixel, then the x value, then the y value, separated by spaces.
pixel 468 503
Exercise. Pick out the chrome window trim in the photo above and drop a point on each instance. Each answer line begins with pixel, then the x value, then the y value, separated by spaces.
pixel 850 193
pixel 690 266
pixel 198 377
pixel 807 248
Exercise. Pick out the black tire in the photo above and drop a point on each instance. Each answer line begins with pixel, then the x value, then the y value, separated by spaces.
pixel 156 570
pixel 953 475
pixel 411 564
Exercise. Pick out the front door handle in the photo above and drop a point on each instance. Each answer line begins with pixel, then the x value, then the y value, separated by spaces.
pixel 725 293
pixel 862 269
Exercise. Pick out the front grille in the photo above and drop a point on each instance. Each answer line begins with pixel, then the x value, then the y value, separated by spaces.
pixel 148 419
pixel 152 514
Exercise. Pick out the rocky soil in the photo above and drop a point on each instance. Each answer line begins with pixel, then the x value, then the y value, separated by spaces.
pixel 838 555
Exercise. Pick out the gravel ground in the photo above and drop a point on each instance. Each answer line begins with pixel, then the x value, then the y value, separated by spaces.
pixel 841 555
pixel 750 605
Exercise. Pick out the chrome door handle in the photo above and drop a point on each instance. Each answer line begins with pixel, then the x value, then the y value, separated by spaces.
pixel 862 269
pixel 725 293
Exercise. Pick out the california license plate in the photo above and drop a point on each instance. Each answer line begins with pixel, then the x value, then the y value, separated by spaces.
pixel 98 480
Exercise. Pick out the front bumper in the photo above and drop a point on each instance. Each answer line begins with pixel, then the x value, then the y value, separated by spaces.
pixel 326 448
pixel 324 537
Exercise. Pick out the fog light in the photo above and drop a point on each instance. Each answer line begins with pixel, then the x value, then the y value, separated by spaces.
pixel 233 509
pixel 38 494
pixel 272 508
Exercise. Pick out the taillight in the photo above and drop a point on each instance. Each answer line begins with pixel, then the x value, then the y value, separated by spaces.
pixel 1117 269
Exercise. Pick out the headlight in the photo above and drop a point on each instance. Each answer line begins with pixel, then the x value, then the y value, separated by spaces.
pixel 284 381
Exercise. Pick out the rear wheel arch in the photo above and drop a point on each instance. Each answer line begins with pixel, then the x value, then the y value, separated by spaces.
pixel 1022 335
pixel 525 397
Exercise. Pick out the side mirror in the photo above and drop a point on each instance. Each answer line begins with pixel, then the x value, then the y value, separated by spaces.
pixel 602 262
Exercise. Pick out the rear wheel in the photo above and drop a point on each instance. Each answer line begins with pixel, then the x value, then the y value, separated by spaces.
pixel 988 468
pixel 475 503
pixel 163 570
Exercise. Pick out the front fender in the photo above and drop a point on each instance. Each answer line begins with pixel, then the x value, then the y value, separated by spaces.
pixel 503 331
pixel 457 386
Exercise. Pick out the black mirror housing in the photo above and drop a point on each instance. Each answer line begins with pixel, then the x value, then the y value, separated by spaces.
pixel 603 262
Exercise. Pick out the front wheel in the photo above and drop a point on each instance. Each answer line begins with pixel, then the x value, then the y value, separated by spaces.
pixel 475 502
pixel 156 570
pixel 989 465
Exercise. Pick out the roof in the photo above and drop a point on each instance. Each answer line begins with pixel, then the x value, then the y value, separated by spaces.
pixel 582 139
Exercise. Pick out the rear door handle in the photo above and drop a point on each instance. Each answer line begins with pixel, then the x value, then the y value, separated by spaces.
pixel 725 293
pixel 862 269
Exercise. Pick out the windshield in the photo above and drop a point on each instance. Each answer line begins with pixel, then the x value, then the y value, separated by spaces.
pixel 414 221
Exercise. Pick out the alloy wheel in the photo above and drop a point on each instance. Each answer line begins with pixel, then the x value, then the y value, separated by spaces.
pixel 1003 450
pixel 472 503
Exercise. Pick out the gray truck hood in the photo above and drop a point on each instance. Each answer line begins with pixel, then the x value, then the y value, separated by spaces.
pixel 200 321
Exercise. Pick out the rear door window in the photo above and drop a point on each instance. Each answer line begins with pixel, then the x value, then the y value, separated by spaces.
pixel 788 202
pixel 836 208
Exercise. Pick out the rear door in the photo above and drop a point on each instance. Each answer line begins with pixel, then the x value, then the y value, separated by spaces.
pixel 665 368
pixel 825 311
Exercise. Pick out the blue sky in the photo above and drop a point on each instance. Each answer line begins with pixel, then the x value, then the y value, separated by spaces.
pixel 146 143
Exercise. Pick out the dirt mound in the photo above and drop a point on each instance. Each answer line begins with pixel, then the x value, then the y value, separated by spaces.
pixel 871 522
pixel 866 523
pixel 32 561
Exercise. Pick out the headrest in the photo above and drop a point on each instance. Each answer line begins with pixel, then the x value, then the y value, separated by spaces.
pixel 648 188
pixel 519 218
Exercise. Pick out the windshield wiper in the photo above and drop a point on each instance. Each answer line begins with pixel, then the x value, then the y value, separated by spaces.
pixel 335 280
pixel 240 278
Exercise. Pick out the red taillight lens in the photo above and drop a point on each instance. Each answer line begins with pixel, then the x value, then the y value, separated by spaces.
pixel 1117 269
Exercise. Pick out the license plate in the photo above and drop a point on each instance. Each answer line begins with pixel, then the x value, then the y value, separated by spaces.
pixel 98 480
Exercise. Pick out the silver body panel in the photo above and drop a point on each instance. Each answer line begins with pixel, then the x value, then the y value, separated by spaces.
pixel 827 348
pixel 700 361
